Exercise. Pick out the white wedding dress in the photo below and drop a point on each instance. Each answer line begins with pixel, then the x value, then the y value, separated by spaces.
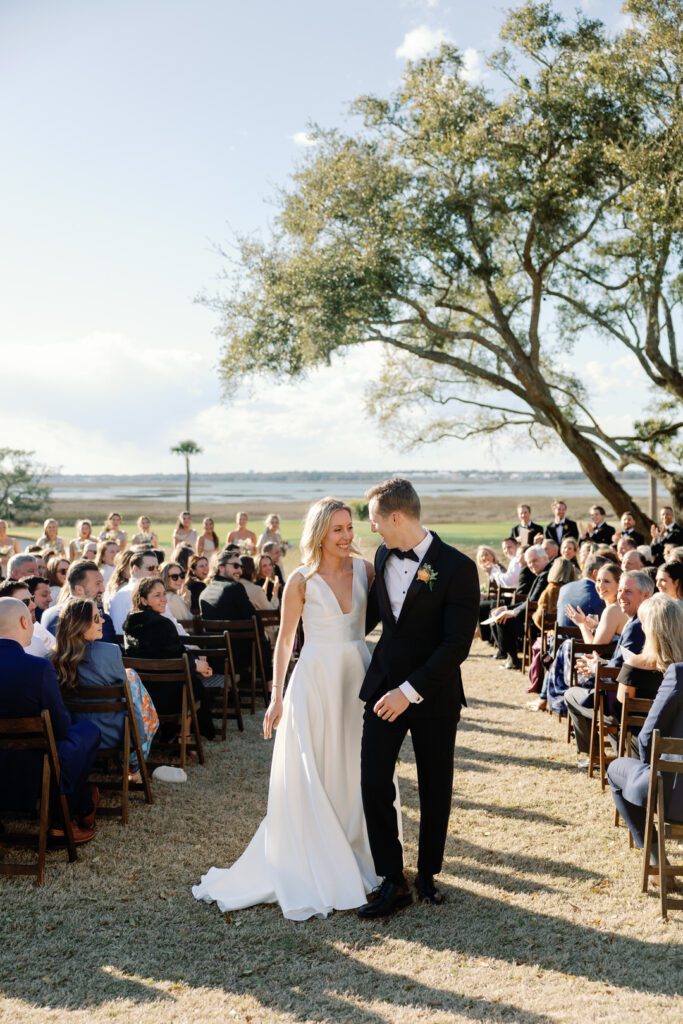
pixel 311 852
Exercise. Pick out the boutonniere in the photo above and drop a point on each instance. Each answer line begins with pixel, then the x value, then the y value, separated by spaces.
pixel 426 574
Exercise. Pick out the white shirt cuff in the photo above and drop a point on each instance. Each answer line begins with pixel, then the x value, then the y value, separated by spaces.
pixel 411 693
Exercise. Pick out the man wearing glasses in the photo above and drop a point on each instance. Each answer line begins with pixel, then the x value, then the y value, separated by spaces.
pixel 84 579
pixel 223 596
pixel 42 642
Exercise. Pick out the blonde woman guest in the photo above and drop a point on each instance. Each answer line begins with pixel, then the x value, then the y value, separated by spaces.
pixel 257 594
pixel 314 801
pixel 145 534
pixel 8 546
pixel 57 568
pixel 208 541
pixel 112 531
pixel 266 577
pixel 173 578
pixel 50 538
pixel 107 550
pixel 561 571
pixel 271 533
pixel 242 536
pixel 83 534
pixel 569 549
pixel 183 533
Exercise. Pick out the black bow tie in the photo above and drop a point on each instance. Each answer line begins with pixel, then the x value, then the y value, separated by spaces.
pixel 404 554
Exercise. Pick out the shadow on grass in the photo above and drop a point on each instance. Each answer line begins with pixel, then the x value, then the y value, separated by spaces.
pixel 473 725
pixel 516 813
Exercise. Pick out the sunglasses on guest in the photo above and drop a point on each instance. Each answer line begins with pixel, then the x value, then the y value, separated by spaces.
pixel 175 576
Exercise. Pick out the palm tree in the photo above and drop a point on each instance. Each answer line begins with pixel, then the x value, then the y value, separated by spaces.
pixel 186 449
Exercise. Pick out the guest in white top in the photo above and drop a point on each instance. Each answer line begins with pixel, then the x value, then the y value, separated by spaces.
pixel 208 541
pixel 272 533
pixel 245 538
pixel 257 594
pixel 57 569
pixel 143 563
pixel 112 530
pixel 50 538
pixel 83 534
pixel 42 642
pixel 183 533
pixel 173 578
pixel 107 550
pixel 509 577
pixel 145 534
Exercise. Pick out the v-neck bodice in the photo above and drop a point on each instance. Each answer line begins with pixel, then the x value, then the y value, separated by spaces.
pixel 323 620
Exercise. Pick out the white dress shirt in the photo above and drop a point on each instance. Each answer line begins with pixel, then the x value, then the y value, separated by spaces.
pixel 399 573
pixel 122 602
pixel 507 577
pixel 42 642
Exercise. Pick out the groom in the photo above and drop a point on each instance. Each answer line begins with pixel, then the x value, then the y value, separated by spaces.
pixel 427 596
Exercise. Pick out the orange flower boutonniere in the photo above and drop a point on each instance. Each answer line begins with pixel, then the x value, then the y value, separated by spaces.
pixel 426 574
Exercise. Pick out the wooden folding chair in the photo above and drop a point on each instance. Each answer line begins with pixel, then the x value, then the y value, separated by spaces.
pixel 215 646
pixel 531 607
pixel 665 829
pixel 156 673
pixel 634 711
pixel 115 699
pixel 548 623
pixel 245 630
pixel 36 734
pixel 605 682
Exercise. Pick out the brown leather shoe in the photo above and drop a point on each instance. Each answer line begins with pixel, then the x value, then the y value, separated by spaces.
pixel 81 835
pixel 88 822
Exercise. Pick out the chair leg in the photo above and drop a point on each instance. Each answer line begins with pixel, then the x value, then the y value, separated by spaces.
pixel 224 714
pixel 125 771
pixel 195 722
pixel 44 821
pixel 591 745
pixel 237 702
pixel 661 851
pixel 647 845
pixel 183 728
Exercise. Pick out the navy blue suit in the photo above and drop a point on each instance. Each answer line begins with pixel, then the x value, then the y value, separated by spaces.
pixel 630 778
pixel 580 594
pixel 29 685
pixel 51 617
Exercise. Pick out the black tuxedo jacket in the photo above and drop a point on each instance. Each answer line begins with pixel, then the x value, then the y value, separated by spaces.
pixel 534 528
pixel 537 587
pixel 433 634
pixel 570 530
pixel 602 534
pixel 636 537
pixel 225 599
pixel 675 536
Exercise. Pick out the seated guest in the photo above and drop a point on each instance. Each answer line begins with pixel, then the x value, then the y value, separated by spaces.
pixel 582 593
pixel 142 564
pixel 569 549
pixel 57 568
pixel 223 597
pixel 112 531
pixel 628 777
pixel 148 633
pixel 560 573
pixel 39 588
pixel 634 588
pixel 246 539
pixel 50 537
pixel 42 642
pixel 195 581
pixel 257 594
pixel 525 530
pixel 276 552
pixel 498 574
pixel 183 533
pixel 641 674
pixel 668 532
pixel 83 580
pixel 271 534
pixel 83 534
pixel 670 580
pixel 119 578
pixel 632 561
pixel 509 627
pixel 551 548
pixel 561 526
pixel 81 661
pixel 586 549
pixel 487 559
pixel 597 528
pixel 28 686
pixel 145 534
pixel 173 578
pixel 207 541
pixel 90 550
pixel 628 529
pixel 645 551
pixel 182 554
pixel 20 566
pixel 265 574
pixel 8 546
pixel 105 559
pixel 625 544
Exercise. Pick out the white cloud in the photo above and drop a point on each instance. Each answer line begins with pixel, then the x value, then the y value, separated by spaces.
pixel 420 41
pixel 472 70
pixel 303 139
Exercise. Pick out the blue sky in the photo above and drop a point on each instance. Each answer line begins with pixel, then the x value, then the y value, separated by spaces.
pixel 137 134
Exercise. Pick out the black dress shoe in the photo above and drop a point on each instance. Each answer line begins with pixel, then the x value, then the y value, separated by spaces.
pixel 426 890
pixel 390 898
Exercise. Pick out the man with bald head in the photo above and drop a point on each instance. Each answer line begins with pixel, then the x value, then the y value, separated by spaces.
pixel 28 686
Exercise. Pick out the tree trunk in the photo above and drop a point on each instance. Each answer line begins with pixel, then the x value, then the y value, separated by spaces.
pixel 187 483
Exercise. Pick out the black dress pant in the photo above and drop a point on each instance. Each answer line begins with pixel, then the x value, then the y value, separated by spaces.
pixel 433 739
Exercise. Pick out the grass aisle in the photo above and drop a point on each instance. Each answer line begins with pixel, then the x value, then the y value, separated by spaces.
pixel 544 920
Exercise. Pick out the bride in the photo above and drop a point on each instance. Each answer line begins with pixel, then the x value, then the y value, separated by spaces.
pixel 311 852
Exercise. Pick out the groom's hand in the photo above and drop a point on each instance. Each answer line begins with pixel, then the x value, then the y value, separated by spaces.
pixel 391 705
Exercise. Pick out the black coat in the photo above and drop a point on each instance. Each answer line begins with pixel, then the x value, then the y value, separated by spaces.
pixel 602 534
pixel 225 599
pixel 147 634
pixel 433 633
pixel 570 530
pixel 534 528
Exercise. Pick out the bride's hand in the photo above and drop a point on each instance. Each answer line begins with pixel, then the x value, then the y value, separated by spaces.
pixel 272 717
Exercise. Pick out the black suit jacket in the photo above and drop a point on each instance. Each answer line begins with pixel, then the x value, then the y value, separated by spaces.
pixel 537 588
pixel 533 527
pixel 666 714
pixel 675 536
pixel 225 599
pixel 570 530
pixel 602 534
pixel 433 634
pixel 636 537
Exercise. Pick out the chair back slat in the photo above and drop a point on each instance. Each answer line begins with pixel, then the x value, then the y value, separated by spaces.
pixel 25 726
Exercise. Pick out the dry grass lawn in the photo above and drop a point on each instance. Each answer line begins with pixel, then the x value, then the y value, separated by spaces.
pixel 544 920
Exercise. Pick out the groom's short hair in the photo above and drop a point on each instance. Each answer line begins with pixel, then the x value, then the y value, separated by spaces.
pixel 395 495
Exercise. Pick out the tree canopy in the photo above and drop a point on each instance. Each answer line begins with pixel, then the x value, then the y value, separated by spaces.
pixel 23 495
pixel 478 233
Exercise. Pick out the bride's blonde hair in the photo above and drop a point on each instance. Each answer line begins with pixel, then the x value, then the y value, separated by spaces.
pixel 316 525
